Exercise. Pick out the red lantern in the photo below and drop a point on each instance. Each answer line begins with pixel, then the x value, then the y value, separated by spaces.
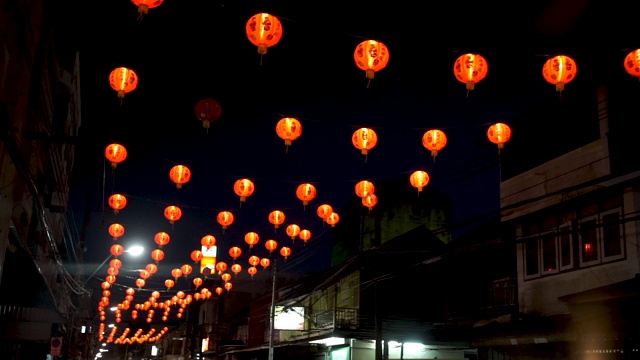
pixel 264 262
pixel 117 202
pixel 115 153
pixel 162 238
pixel 264 31
pixel 235 252
pixel 145 5
pixel 469 69
pixel 221 267
pixel 144 274
pixel 333 219
pixel 197 282
pixel 116 230
pixel 169 283
pixel 186 269
pixel 115 263
pixel 236 269
pixel 306 192
pixel 228 286
pixel 219 290
pixel 419 179
pixel 225 277
pixel 370 201
pixel 499 134
pixel 252 270
pixel 207 111
pixel 305 235
pixel 176 273
pixel 254 260
pixel 180 175
pixel 140 283
pixel 225 218
pixel 364 188
pixel 208 241
pixel 151 268
pixel 364 139
pixel 434 140
pixel 276 217
pixel 172 213
pixel 243 188
pixel 285 252
pixel 288 129
pixel 293 230
pixel 116 250
pixel 251 238
pixel 371 56
pixel 632 63
pixel 157 255
pixel 123 81
pixel 196 255
pixel 559 70
pixel 271 245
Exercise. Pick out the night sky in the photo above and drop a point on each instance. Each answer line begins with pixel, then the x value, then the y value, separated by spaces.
pixel 186 51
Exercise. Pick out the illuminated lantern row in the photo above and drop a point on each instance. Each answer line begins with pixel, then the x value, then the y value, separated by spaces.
pixel 371 56
pixel 434 140
pixel 469 69
pixel 207 111
pixel 264 31
pixel 116 154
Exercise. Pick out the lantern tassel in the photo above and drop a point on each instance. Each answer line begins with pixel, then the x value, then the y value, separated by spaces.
pixel 467 93
pixel 286 149
pixel 261 56
pixel 368 83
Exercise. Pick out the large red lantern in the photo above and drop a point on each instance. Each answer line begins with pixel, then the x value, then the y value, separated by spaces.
pixel 207 111
pixel 116 250
pixel 293 230
pixel 180 175
pixel 371 56
pixel 251 238
pixel 271 245
pixel 115 153
pixel 469 69
pixel 162 238
pixel 434 140
pixel 243 188
pixel 632 63
pixel 499 134
pixel 364 139
pixel 306 192
pixel 123 80
pixel 264 31
pixel 559 70
pixel 288 129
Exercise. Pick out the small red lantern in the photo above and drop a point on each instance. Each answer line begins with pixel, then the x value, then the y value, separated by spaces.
pixel 123 81
pixel 264 262
pixel 115 263
pixel 208 241
pixel 151 268
pixel 285 252
pixel 271 245
pixel 196 255
pixel 197 282
pixel 632 63
pixel 370 201
pixel 207 111
pixel 364 139
pixel 364 188
pixel 116 250
pixel 180 175
pixel 172 213
pixel 225 218
pixel 293 230
pixel 434 140
pixel 254 260
pixel 116 230
pixel 186 270
pixel 243 188
pixel 469 69
pixel 169 283
pixel 162 238
pixel 145 5
pixel 236 269
pixel 276 217
pixel 157 255
pixel 419 179
pixel 116 154
pixel 288 129
pixel 235 252
pixel 371 56
pixel 251 238
pixel 305 235
pixel 117 202
pixel 221 267
pixel 499 134
pixel 176 273
pixel 559 70
pixel 306 192
pixel 252 270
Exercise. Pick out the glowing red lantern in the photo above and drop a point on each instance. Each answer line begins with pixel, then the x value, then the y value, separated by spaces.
pixel 197 282
pixel 285 252
pixel 116 154
pixel 186 269
pixel 364 188
pixel 225 277
pixel 172 213
pixel 196 255
pixel 219 290
pixel 288 129
pixel 180 175
pixel 123 81
pixel 293 230
pixel 162 238
pixel 117 202
pixel 364 139
pixel 221 267
pixel 434 140
pixel 276 217
pixel 151 268
pixel 176 273
pixel 140 283
pixel 207 111
pixel 254 260
pixel 559 70
pixel 236 269
pixel 371 56
pixel 116 250
pixel 169 283
pixel 370 201
pixel 145 5
pixel 271 245
pixel 499 134
pixel 306 192
pixel 264 262
pixel 252 270
pixel 157 255
pixel 333 219
pixel 235 252
pixel 264 31
pixel 469 69
pixel 225 218
pixel 305 235
pixel 243 188
pixel 208 241
pixel 116 230
pixel 115 263
pixel 632 63
pixel 251 238
pixel 419 179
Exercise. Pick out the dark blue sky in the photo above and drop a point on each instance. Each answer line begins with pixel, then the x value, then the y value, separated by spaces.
pixel 184 52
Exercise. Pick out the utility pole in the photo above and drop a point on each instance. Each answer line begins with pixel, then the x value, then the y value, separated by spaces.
pixel 272 311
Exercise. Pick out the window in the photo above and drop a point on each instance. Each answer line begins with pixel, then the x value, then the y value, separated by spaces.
pixel 601 238
pixel 548 252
